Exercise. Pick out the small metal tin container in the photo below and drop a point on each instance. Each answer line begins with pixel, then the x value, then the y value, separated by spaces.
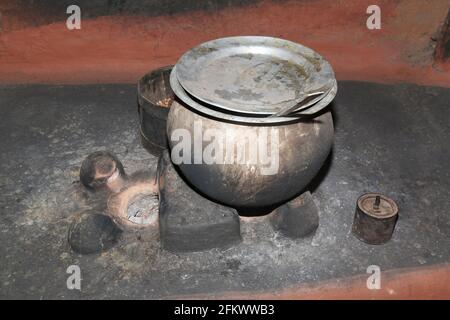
pixel 375 218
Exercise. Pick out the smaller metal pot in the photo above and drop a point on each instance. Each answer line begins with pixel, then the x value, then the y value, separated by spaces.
pixel 154 99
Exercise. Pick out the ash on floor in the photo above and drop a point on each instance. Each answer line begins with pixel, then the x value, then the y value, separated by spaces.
pixel 389 139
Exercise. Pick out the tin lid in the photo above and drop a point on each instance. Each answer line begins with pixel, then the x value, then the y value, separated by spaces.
pixel 377 205
pixel 253 75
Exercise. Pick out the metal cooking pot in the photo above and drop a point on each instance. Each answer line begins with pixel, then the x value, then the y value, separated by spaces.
pixel 223 129
pixel 302 147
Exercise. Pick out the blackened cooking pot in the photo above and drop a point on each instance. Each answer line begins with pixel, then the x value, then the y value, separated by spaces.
pixel 288 155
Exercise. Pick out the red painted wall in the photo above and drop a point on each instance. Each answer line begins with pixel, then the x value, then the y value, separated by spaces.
pixel 36 46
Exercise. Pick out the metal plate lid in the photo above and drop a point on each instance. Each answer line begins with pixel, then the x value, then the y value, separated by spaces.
pixel 252 74
pixel 217 113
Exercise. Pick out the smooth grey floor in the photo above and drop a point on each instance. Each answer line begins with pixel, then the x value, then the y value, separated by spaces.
pixel 389 139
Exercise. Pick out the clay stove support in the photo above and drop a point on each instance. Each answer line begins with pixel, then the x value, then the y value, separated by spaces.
pixel 187 220
pixel 117 203
pixel 297 218
pixel 93 232
pixel 102 170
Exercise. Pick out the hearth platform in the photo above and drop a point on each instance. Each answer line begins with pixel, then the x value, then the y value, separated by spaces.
pixel 389 139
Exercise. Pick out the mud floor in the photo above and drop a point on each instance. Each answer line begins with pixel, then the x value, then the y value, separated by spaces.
pixel 389 139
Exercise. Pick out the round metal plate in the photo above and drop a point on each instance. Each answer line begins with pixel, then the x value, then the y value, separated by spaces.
pixel 253 75
pixel 187 99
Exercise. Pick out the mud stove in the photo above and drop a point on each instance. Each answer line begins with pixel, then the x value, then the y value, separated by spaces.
pixel 248 129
